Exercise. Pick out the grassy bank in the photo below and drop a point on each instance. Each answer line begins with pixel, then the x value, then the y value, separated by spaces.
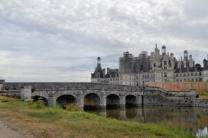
pixel 43 122
pixel 203 93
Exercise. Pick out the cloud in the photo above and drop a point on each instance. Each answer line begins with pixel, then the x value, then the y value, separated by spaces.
pixel 59 40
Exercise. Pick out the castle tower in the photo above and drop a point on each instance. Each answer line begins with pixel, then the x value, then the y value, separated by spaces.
pixel 186 63
pixel 205 62
pixel 191 61
pixel 185 55
pixel 157 51
pixel 163 50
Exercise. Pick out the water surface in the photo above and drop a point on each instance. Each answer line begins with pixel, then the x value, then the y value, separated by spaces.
pixel 190 119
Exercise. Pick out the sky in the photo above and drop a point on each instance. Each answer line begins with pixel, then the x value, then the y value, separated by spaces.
pixel 59 40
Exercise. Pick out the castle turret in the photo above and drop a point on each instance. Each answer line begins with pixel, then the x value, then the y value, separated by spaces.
pixel 191 61
pixel 185 55
pixel 157 51
pixel 205 62
pixel 126 63
pixel 163 50
pixel 99 72
pixel 180 64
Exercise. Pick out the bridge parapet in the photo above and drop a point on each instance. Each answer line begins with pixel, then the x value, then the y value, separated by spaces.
pixel 70 86
pixel 163 92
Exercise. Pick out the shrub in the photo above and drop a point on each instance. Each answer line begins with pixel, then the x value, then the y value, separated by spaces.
pixel 72 107
pixel 7 99
pixel 40 103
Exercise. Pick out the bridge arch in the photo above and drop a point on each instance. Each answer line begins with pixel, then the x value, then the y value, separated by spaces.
pixel 91 101
pixel 42 98
pixel 113 101
pixel 131 101
pixel 65 99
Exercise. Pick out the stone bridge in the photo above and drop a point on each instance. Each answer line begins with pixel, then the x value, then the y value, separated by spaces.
pixel 101 95
pixel 84 94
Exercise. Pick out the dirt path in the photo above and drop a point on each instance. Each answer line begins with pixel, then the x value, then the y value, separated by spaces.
pixel 6 132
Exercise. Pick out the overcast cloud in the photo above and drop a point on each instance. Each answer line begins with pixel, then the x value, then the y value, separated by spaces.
pixel 59 40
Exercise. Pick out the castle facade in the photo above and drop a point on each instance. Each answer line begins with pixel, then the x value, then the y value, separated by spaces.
pixel 156 67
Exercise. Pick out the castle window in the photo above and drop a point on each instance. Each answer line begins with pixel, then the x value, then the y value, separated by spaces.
pixel 165 62
pixel 165 74
pixel 200 73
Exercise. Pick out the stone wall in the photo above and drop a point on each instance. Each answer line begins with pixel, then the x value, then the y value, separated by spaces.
pixel 178 86
pixel 157 96
pixel 11 93
pixel 201 103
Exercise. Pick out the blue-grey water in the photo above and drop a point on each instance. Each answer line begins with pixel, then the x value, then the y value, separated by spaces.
pixel 190 119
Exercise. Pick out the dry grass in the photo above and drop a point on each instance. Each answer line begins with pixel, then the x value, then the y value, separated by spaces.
pixel 203 93
pixel 53 123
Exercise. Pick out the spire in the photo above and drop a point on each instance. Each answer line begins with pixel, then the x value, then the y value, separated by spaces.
pixel 98 61
pixel 186 55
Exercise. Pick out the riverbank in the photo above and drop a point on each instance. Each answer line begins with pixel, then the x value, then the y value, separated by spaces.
pixel 44 122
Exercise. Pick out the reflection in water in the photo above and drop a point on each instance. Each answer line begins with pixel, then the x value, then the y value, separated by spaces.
pixel 191 119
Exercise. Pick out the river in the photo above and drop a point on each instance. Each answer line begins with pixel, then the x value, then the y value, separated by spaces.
pixel 189 119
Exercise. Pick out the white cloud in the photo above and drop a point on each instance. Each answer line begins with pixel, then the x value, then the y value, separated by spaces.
pixel 46 39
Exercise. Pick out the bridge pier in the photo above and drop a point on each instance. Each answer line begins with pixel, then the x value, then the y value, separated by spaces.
pixel 103 101
pixel 122 101
pixel 26 93
pixel 122 114
pixel 80 101
pixel 139 100
pixel 52 101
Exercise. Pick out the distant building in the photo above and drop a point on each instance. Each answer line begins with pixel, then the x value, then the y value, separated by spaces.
pixel 99 75
pixel 156 67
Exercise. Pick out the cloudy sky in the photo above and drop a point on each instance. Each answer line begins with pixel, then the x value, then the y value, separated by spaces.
pixel 59 40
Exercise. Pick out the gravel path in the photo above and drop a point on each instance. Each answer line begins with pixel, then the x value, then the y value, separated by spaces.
pixel 6 132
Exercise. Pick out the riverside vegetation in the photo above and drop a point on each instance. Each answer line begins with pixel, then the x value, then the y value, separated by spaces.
pixel 203 93
pixel 45 122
